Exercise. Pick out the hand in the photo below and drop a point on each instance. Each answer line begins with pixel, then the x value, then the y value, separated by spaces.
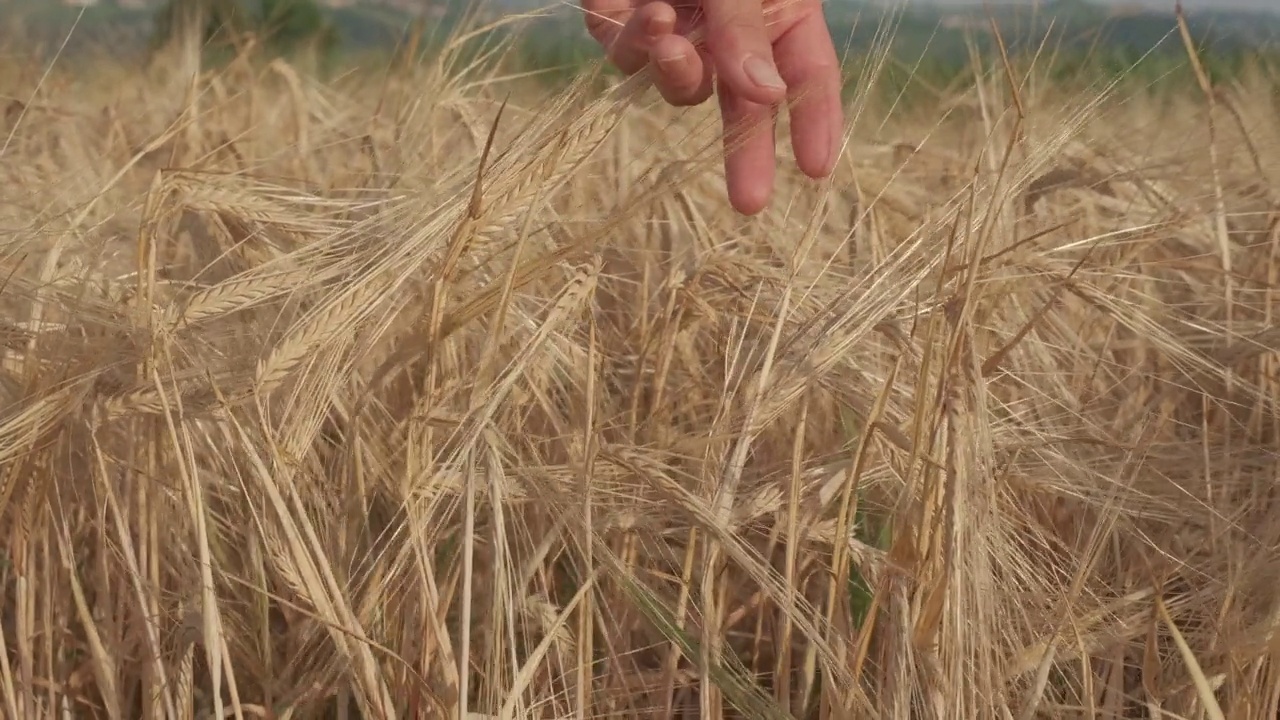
pixel 756 54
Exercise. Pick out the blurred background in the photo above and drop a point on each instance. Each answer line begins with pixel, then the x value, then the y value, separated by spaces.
pixel 931 36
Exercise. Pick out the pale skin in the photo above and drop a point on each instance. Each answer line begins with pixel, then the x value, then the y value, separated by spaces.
pixel 757 54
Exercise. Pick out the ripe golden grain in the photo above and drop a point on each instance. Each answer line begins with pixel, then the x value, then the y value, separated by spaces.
pixel 345 413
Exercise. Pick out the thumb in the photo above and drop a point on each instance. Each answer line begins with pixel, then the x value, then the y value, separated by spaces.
pixel 740 48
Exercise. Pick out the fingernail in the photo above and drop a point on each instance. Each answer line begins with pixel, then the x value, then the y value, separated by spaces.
pixel 657 26
pixel 763 73
pixel 670 61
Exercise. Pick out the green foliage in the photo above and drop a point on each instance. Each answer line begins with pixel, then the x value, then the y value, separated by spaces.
pixel 294 24
pixel 284 27
pixel 559 53
pixel 220 20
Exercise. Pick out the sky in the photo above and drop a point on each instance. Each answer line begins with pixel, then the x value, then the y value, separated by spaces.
pixel 1190 5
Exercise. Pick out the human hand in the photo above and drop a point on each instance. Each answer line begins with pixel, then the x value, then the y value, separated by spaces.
pixel 755 54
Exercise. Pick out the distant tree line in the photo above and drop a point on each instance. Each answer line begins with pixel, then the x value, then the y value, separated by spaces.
pixel 282 27
pixel 1084 45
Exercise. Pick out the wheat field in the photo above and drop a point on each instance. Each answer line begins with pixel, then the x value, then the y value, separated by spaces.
pixel 310 406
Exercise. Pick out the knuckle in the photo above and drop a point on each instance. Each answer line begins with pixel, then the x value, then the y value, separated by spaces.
pixel 740 29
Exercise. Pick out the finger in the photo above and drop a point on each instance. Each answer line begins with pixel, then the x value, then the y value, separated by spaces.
pixel 807 61
pixel 605 18
pixel 743 56
pixel 630 48
pixel 749 151
pixel 682 76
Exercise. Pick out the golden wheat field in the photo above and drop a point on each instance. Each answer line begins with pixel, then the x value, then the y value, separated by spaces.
pixel 309 410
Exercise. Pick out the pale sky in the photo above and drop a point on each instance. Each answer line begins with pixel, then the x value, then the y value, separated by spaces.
pixel 1189 5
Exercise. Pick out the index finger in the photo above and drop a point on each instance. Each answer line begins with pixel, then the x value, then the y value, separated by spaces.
pixel 739 46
